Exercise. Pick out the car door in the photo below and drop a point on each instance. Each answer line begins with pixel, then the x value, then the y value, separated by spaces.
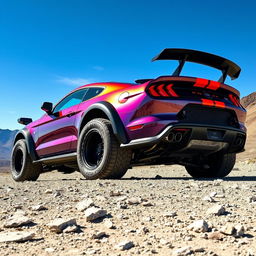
pixel 57 130
pixel 88 99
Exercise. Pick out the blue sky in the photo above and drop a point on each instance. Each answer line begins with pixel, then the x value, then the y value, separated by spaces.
pixel 49 47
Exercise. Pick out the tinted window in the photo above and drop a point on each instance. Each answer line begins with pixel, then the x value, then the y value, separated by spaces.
pixel 71 100
pixel 92 92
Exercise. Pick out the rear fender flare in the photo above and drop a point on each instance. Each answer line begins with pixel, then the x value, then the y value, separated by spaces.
pixel 111 113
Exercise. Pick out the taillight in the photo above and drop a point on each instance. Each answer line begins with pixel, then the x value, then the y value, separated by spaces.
pixel 234 99
pixel 136 127
pixel 162 90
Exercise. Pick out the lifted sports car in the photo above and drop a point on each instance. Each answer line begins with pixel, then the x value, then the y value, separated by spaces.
pixel 102 129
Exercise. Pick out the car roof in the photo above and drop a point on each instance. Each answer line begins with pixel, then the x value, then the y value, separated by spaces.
pixel 115 84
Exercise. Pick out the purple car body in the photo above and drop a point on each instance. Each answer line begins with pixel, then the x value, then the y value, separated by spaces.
pixel 143 116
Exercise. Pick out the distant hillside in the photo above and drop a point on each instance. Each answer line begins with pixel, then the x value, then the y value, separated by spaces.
pixel 6 140
pixel 249 102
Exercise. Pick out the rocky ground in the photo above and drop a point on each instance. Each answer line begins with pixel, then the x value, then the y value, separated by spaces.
pixel 153 210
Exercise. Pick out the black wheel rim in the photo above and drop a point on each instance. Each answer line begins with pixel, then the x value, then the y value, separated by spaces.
pixel 92 149
pixel 18 160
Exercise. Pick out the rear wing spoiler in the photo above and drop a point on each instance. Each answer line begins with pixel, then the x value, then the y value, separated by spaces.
pixel 226 66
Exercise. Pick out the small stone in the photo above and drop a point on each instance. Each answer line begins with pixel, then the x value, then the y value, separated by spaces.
pixel 124 245
pixel 188 238
pixel 39 207
pixel 70 229
pixel 147 219
pixel 147 204
pixel 164 242
pixel 234 230
pixel 252 199
pixel 209 199
pixel 239 230
pixel 57 193
pixel 108 224
pixel 220 196
pixel 199 249
pixel 98 235
pixel 21 236
pixel 121 198
pixel 17 220
pixel 94 213
pixel 122 205
pixel 183 251
pixel 216 210
pixel 83 205
pixel 48 191
pixel 59 224
pixel 143 230
pixel 199 226
pixel 251 252
pixel 213 194
pixel 235 186
pixel 170 214
pixel 228 229
pixel 215 236
pixel 134 201
pixel 115 193
pixel 17 206
pixel 49 250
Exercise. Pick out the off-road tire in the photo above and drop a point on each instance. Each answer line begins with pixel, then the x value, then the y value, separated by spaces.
pixel 22 166
pixel 220 165
pixel 113 161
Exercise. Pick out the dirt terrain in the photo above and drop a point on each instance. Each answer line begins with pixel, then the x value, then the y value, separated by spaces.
pixel 152 210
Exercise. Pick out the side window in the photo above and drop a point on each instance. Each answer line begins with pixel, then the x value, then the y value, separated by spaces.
pixel 71 100
pixel 92 92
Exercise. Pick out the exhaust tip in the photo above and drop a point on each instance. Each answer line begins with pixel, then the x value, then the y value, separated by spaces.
pixel 174 137
pixel 239 141
pixel 178 137
pixel 170 137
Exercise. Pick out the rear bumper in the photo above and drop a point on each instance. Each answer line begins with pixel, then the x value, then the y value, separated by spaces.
pixel 200 137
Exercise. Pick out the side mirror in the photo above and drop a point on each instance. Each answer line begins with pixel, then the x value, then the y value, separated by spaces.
pixel 24 120
pixel 47 107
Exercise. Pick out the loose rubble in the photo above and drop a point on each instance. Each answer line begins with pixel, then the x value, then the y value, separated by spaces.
pixel 83 205
pixel 17 220
pixel 21 236
pixel 124 245
pixel 216 210
pixel 60 224
pixel 64 214
pixel 94 213
pixel 199 226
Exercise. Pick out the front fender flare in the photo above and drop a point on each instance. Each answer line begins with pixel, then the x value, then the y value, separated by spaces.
pixel 24 133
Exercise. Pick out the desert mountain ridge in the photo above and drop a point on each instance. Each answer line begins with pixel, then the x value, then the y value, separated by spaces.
pixel 249 102
pixel 6 140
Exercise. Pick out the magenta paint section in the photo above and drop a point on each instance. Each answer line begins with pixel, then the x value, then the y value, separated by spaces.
pixel 57 134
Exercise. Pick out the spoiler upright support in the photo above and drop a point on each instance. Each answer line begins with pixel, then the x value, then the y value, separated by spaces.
pixel 180 67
